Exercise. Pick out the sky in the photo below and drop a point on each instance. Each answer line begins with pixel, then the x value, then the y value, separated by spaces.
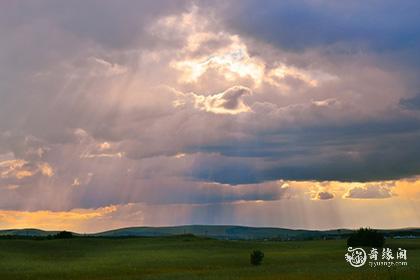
pixel 295 114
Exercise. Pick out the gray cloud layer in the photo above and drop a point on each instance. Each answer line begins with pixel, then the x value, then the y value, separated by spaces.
pixel 170 102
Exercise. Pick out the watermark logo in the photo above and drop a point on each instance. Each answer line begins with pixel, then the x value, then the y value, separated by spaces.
pixel 357 257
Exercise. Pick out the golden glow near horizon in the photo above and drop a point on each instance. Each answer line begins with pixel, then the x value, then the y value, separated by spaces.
pixel 50 220
pixel 398 200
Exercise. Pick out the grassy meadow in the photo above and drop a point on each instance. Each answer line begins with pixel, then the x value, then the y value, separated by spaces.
pixel 187 257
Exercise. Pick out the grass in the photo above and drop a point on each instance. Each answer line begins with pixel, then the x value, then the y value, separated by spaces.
pixel 190 258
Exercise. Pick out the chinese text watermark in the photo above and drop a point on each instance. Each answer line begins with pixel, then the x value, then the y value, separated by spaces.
pixel 358 257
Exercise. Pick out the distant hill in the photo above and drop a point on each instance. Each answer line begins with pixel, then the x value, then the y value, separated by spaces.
pixel 26 232
pixel 221 232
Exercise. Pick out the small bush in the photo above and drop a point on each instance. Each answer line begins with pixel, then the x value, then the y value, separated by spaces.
pixel 366 237
pixel 256 257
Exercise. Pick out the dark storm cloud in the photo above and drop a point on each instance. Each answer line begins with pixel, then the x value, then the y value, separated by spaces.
pixel 368 151
pixel 381 25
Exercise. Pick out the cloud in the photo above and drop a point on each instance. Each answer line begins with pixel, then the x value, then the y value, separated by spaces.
pixel 228 102
pixel 171 105
pixel 18 169
pixel 285 126
pixel 325 196
pixel 412 103
pixel 111 25
pixel 301 25
pixel 371 191
pixel 352 155
pixel 230 60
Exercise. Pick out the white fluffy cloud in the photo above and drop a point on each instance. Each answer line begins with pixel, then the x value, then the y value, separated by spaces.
pixel 228 102
pixel 371 191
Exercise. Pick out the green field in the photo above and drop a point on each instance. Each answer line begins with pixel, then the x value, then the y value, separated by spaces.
pixel 190 258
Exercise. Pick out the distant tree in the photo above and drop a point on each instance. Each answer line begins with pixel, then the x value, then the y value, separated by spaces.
pixel 366 237
pixel 256 257
pixel 63 235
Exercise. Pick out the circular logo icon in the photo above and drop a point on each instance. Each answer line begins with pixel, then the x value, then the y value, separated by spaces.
pixel 356 257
